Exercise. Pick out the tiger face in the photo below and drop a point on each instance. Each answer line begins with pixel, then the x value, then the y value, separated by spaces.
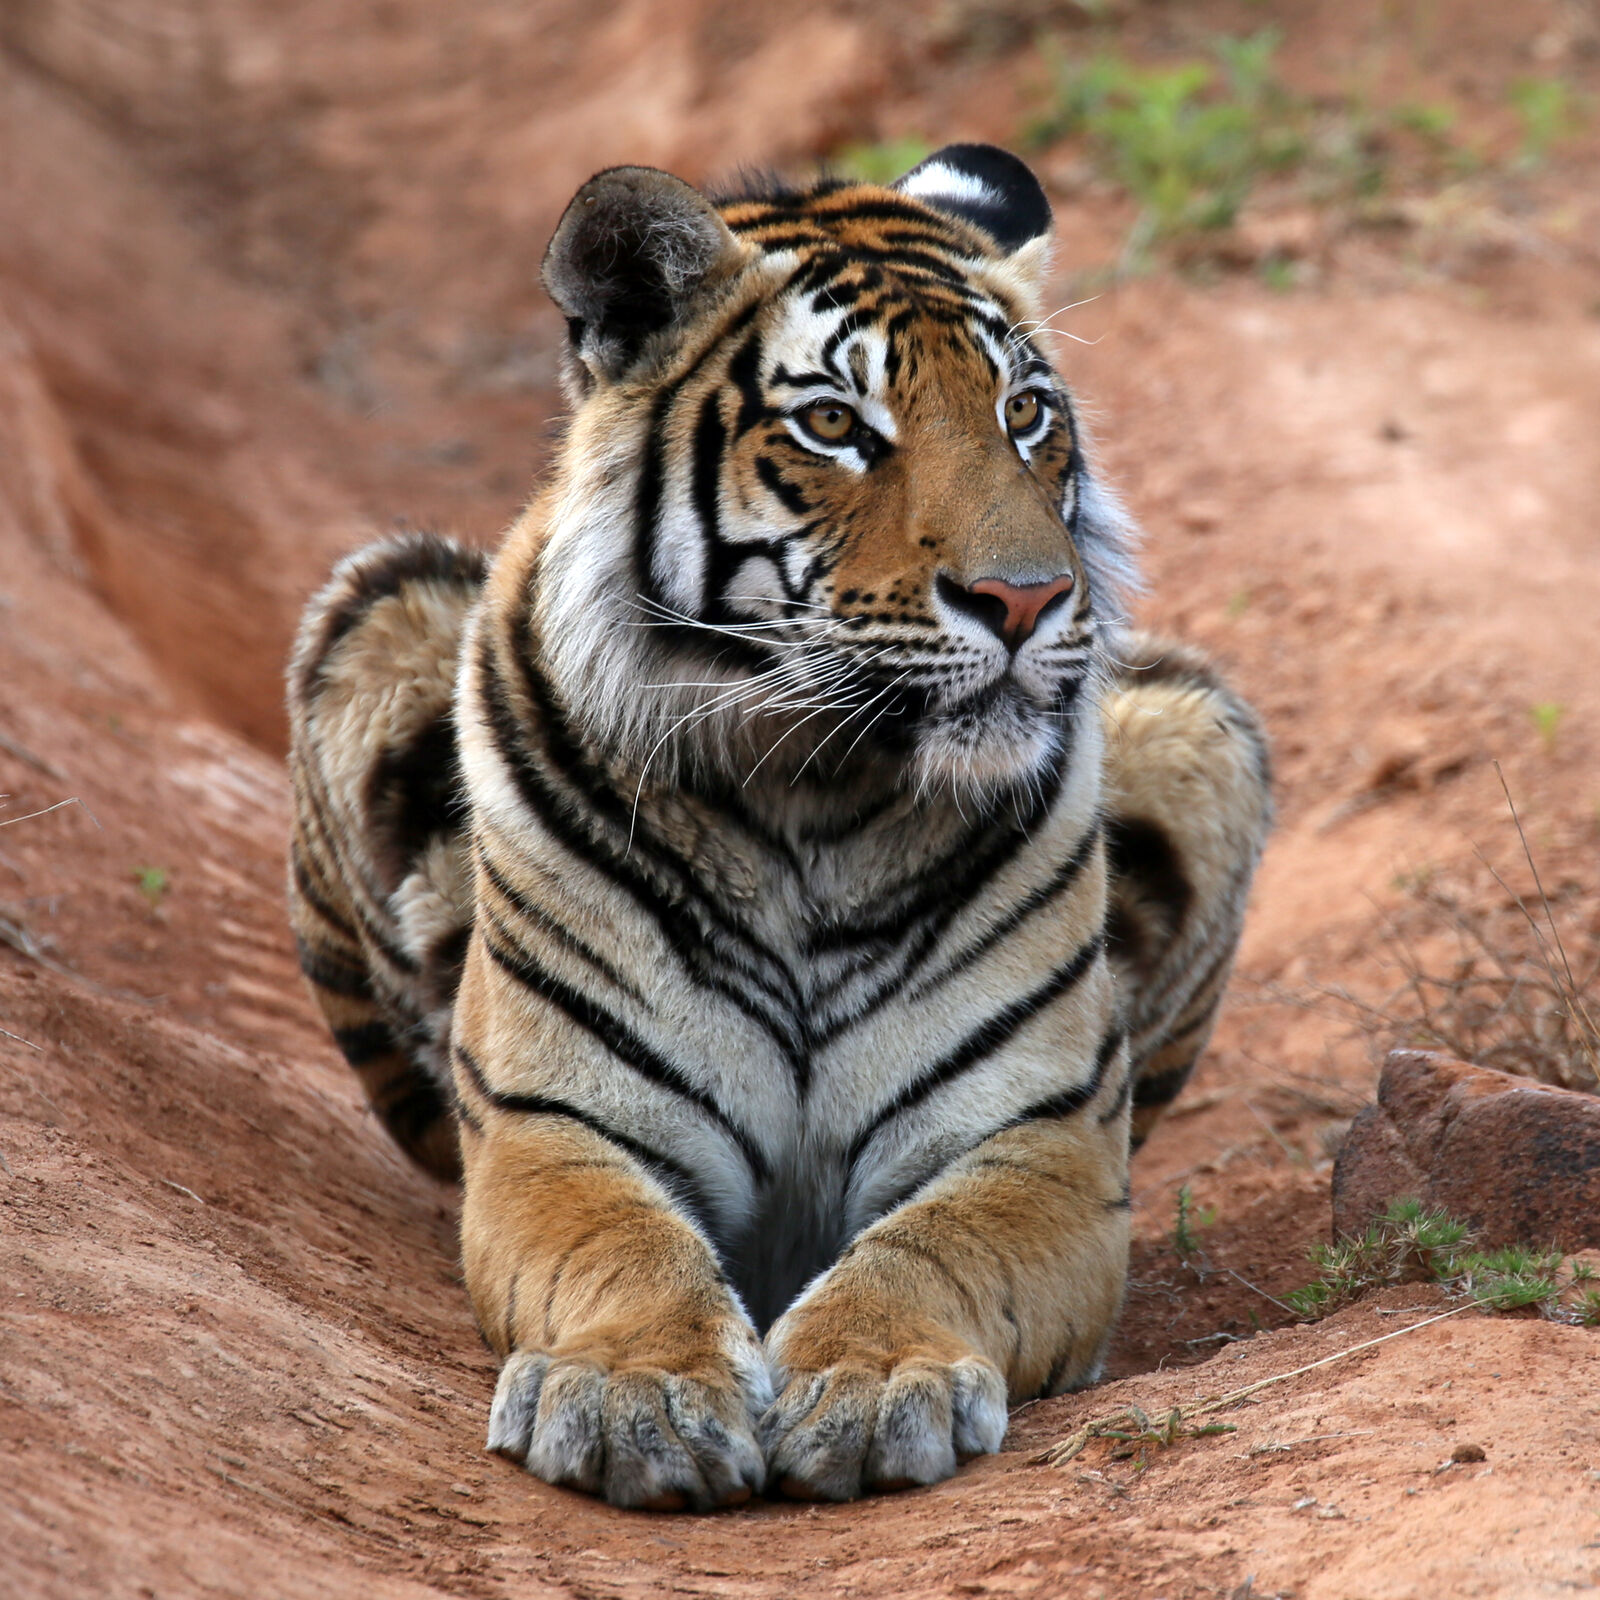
pixel 829 507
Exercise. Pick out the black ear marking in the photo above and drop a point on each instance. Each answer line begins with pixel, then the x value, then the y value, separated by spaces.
pixel 632 249
pixel 986 186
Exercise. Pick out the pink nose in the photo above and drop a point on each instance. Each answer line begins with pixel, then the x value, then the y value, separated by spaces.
pixel 1012 610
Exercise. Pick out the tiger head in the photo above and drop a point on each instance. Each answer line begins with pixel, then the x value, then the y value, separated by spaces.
pixel 825 507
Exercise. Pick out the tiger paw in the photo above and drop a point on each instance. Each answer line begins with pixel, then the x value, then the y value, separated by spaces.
pixel 642 1436
pixel 852 1430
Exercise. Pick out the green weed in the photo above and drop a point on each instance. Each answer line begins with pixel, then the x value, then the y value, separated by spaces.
pixel 1509 1278
pixel 1546 718
pixel 1187 142
pixel 1136 1433
pixel 883 161
pixel 1411 1244
pixel 1279 274
pixel 1193 143
pixel 153 884
pixel 1187 1221
pixel 1408 1244
pixel 1547 112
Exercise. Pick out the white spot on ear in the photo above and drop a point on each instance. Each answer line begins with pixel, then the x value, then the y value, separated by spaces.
pixel 934 181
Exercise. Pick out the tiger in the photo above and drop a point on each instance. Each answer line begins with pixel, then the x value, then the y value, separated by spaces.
pixel 779 883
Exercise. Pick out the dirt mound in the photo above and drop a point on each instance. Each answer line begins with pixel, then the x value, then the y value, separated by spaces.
pixel 267 281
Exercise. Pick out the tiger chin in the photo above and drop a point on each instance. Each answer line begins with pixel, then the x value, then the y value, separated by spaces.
pixel 778 883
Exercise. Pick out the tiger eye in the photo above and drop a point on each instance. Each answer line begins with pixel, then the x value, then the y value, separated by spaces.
pixel 1022 411
pixel 830 421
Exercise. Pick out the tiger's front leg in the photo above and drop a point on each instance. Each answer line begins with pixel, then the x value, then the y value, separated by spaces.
pixel 629 1369
pixel 1001 1280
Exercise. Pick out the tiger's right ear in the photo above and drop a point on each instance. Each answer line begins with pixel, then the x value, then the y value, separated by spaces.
pixel 632 250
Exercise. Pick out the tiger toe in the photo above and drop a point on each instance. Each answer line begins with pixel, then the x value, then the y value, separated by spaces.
pixel 642 1438
pixel 840 1434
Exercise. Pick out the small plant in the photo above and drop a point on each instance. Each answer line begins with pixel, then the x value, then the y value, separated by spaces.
pixel 1185 1221
pixel 1546 114
pixel 1546 718
pixel 1411 1244
pixel 1514 997
pixel 883 161
pixel 1408 1244
pixel 152 883
pixel 1507 1279
pixel 1136 1434
pixel 1187 142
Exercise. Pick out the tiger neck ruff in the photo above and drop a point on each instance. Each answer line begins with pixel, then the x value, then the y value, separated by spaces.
pixel 779 882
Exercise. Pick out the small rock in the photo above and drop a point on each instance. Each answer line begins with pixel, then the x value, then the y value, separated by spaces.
pixel 1200 516
pixel 463 1489
pixel 1468 1452
pixel 1517 1160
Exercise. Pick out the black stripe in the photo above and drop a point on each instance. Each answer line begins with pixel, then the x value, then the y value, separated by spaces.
pixel 421 558
pixel 1064 1104
pixel 614 1035
pixel 647 496
pixel 1193 1026
pixel 705 482
pixel 1161 1088
pixel 558 931
pixel 365 1042
pixel 413 795
pixel 982 1042
pixel 370 930
pixel 1212 976
pixel 313 897
pixel 1062 879
pixel 1053 1376
pixel 785 493
pixel 337 977
pixel 1073 1100
pixel 938 896
pixel 573 821
pixel 568 823
pixel 1124 1094
pixel 676 1178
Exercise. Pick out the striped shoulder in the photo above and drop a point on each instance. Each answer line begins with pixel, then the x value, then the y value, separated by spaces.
pixel 401 568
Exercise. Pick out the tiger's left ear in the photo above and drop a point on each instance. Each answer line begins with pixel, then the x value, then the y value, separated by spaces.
pixel 988 188
pixel 631 257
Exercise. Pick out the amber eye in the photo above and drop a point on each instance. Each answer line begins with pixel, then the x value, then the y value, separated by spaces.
pixel 1022 411
pixel 830 421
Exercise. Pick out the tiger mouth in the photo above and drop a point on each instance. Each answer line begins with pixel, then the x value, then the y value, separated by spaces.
pixel 1008 693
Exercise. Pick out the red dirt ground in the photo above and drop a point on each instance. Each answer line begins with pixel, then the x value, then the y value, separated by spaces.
pixel 268 279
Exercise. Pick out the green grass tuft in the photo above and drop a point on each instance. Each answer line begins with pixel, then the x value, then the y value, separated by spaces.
pixel 1411 1244
pixel 1547 112
pixel 1187 1221
pixel 882 161
pixel 1188 142
pixel 153 884
pixel 1546 718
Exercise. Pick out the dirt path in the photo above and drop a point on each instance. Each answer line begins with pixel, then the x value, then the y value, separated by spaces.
pixel 235 1357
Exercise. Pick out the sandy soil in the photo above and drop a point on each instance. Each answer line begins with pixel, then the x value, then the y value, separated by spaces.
pixel 268 281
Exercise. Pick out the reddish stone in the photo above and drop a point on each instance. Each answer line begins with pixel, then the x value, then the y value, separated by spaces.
pixel 1517 1159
